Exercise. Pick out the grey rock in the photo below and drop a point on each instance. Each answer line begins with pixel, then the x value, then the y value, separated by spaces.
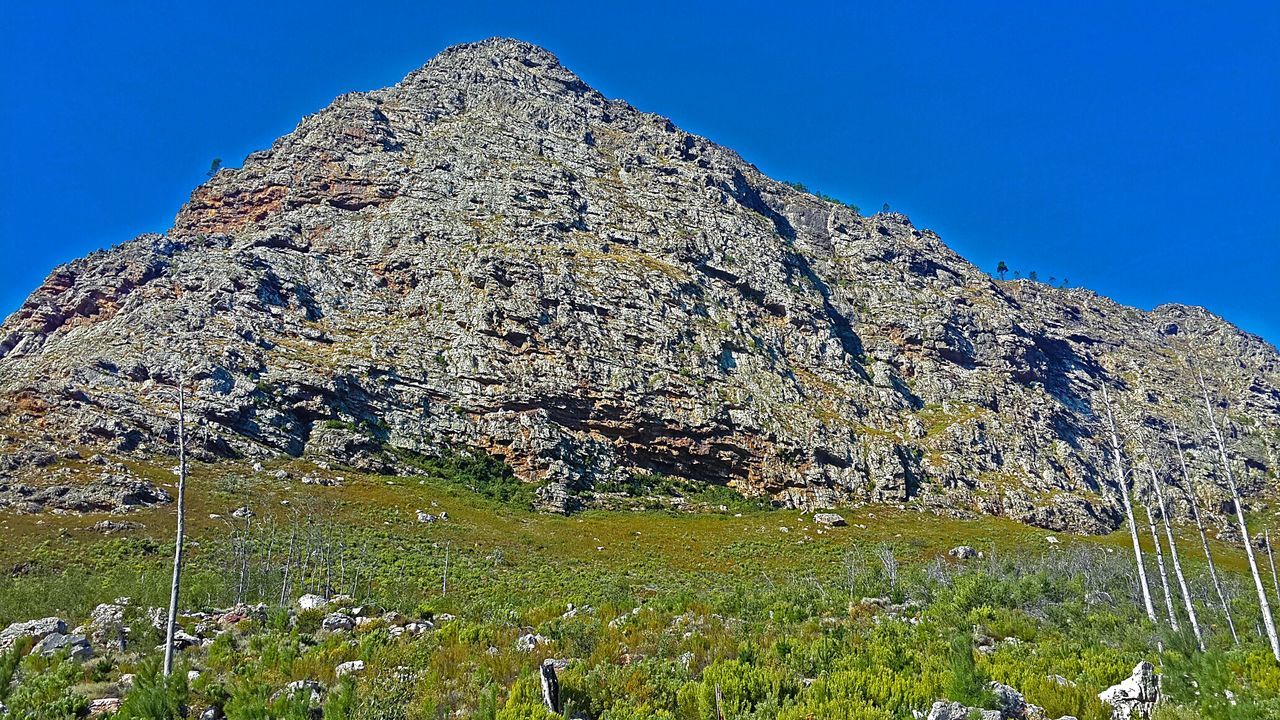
pixel 529 641
pixel 106 626
pixel 492 257
pixel 829 519
pixel 338 622
pixel 77 647
pixel 351 667
pixel 962 552
pixel 104 706
pixel 111 493
pixel 1135 696
pixel 1009 701
pixel 35 629
pixel 311 601
pixel 311 690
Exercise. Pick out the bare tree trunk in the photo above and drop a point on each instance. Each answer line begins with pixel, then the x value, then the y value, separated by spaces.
pixel 1177 564
pixel 1271 559
pixel 328 564
pixel 182 526
pixel 444 583
pixel 1118 462
pixel 242 584
pixel 1164 576
pixel 288 563
pixel 265 574
pixel 550 686
pixel 1204 539
pixel 1263 605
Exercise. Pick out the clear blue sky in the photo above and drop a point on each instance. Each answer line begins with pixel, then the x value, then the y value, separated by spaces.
pixel 1134 150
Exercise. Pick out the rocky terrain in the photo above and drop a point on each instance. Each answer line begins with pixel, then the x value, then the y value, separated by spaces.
pixel 490 255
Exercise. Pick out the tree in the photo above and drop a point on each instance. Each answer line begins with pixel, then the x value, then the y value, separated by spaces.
pixel 1002 269
pixel 1122 484
pixel 1265 607
pixel 1164 576
pixel 1177 564
pixel 182 522
pixel 1033 277
pixel 1204 538
pixel 214 167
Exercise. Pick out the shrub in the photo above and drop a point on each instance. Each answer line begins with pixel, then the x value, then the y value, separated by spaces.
pixel 154 696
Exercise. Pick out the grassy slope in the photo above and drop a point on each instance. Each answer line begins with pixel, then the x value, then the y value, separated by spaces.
pixel 584 556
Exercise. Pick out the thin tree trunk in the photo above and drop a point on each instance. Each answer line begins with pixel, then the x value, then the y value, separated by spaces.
pixel 182 522
pixel 328 564
pixel 1204 538
pixel 1177 564
pixel 288 563
pixel 1118 462
pixel 1164 576
pixel 1271 559
pixel 265 579
pixel 1263 605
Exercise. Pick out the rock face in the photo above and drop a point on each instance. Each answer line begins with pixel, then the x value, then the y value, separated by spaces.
pixel 492 255
pixel 107 494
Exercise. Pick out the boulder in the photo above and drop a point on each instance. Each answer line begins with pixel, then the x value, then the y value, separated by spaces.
pixel 77 647
pixel 1008 700
pixel 105 627
pixel 963 552
pixel 310 689
pixel 943 710
pixel 1135 696
pixel 338 622
pixel 829 519
pixel 35 629
pixel 529 641
pixel 104 706
pixel 311 602
pixel 353 667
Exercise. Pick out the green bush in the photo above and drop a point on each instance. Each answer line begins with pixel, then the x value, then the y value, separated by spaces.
pixel 154 696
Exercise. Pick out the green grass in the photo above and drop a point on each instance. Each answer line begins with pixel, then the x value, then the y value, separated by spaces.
pixel 681 603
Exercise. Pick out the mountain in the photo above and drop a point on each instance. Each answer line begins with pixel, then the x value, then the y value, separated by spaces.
pixel 492 256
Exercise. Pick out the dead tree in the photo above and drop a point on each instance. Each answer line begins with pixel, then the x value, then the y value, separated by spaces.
pixel 288 563
pixel 1264 606
pixel 550 686
pixel 1164 576
pixel 178 545
pixel 1177 564
pixel 1204 538
pixel 1271 559
pixel 1121 483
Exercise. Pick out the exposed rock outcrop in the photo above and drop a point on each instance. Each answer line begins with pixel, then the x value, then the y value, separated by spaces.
pixel 493 255
pixel 1136 696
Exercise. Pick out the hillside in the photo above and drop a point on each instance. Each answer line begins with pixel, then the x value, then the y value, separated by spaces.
pixel 491 256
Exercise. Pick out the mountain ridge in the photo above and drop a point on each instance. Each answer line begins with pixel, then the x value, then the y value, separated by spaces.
pixel 491 254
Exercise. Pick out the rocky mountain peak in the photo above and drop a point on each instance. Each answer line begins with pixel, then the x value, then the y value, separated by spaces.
pixel 490 255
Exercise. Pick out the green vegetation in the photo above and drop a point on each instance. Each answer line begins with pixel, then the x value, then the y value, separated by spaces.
pixel 800 187
pixel 668 609
pixel 658 485
pixel 475 471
